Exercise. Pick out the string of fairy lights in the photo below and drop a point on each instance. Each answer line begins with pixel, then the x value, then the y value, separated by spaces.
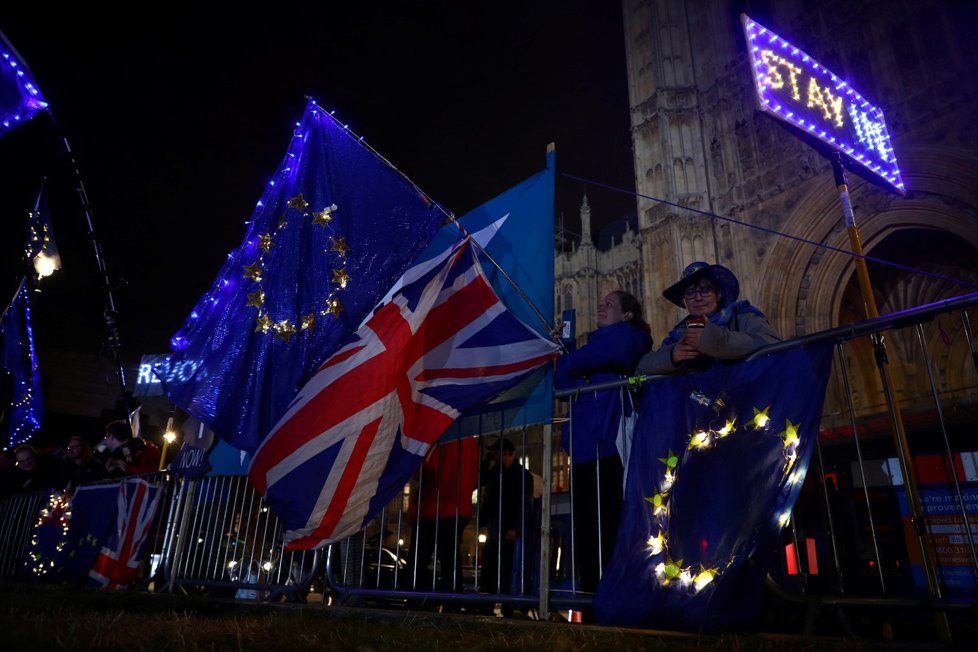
pixel 57 512
pixel 693 578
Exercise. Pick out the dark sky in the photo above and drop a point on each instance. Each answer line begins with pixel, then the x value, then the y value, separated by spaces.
pixel 178 116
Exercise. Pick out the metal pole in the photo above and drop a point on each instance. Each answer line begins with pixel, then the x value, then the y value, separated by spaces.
pixel 110 314
pixel 917 520
pixel 950 455
pixel 544 604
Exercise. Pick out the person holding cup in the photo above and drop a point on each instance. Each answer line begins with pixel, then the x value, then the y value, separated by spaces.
pixel 718 327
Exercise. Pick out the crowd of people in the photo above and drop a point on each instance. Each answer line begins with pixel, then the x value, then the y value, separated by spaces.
pixel 27 469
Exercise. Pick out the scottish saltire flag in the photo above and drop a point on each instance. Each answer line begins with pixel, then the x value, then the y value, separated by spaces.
pixel 515 229
pixel 20 361
pixel 20 98
pixel 336 226
pixel 716 465
pixel 117 565
pixel 365 421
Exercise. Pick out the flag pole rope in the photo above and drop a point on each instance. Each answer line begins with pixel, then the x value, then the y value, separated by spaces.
pixel 821 245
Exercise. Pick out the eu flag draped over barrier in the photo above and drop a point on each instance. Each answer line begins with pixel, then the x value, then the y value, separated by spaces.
pixel 365 421
pixel 96 535
pixel 335 228
pixel 20 361
pixel 515 229
pixel 716 465
pixel 20 98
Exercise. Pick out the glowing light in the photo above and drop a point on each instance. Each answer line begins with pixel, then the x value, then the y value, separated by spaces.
pixel 656 544
pixel 46 265
pixel 703 578
pixel 700 439
pixel 685 578
pixel 169 436
pixel 267 566
pixel 482 538
pixel 784 519
pixel 761 419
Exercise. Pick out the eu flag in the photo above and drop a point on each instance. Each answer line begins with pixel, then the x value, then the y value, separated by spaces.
pixel 20 361
pixel 716 465
pixel 20 98
pixel 336 226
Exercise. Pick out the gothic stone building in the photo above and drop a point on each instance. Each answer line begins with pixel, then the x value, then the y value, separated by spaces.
pixel 699 141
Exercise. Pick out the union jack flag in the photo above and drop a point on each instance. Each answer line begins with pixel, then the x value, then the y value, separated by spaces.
pixel 364 422
pixel 118 564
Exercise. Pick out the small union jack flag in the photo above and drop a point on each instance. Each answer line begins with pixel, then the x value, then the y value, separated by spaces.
pixel 118 564
pixel 364 422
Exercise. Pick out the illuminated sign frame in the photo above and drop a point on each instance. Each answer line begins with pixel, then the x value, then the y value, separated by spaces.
pixel 795 89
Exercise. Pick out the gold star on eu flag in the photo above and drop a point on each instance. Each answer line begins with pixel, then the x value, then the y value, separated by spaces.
pixel 339 245
pixel 790 434
pixel 308 321
pixel 671 460
pixel 341 277
pixel 256 298
pixel 284 330
pixel 298 202
pixel 761 418
pixel 265 242
pixel 263 323
pixel 252 271
pixel 334 307
pixel 323 217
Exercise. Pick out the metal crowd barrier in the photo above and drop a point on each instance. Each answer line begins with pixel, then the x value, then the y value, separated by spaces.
pixel 217 535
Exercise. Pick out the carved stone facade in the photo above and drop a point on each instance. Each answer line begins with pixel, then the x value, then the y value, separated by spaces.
pixel 699 142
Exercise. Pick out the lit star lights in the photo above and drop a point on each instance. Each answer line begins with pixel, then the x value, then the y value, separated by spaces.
pixel 694 578
pixel 57 516
pixel 286 322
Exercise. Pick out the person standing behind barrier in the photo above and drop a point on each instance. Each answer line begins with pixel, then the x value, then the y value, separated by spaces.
pixel 124 454
pixel 84 467
pixel 505 511
pixel 597 474
pixel 39 471
pixel 443 508
pixel 718 327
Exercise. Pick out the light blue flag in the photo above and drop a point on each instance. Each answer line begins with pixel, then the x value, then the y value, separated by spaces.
pixel 516 231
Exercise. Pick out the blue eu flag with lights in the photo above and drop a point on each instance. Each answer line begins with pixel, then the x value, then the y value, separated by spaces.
pixel 20 98
pixel 20 361
pixel 716 465
pixel 334 229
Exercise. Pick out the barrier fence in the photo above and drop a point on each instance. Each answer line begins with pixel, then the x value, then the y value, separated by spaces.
pixel 474 532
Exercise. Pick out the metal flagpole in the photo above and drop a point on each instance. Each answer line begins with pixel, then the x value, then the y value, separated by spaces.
pixel 110 313
pixel 917 520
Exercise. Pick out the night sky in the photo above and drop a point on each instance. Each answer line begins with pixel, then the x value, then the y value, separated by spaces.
pixel 177 119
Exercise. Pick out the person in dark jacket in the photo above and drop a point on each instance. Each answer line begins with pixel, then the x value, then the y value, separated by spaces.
pixel 597 473
pixel 718 327
pixel 505 512
pixel 84 467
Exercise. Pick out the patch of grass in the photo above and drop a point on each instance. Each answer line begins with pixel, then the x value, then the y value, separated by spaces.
pixel 42 617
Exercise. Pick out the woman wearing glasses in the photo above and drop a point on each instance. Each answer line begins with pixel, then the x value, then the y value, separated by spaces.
pixel 718 325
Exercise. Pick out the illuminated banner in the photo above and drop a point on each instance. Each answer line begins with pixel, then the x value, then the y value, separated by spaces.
pixel 794 88
pixel 148 380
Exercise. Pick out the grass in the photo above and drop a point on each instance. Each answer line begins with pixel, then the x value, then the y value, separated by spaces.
pixel 47 617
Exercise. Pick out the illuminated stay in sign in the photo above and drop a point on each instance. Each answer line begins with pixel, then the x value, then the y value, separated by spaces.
pixel 793 87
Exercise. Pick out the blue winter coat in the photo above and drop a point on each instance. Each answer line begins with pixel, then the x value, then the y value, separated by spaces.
pixel 611 353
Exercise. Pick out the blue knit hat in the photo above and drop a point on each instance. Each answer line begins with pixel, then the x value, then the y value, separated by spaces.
pixel 722 279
